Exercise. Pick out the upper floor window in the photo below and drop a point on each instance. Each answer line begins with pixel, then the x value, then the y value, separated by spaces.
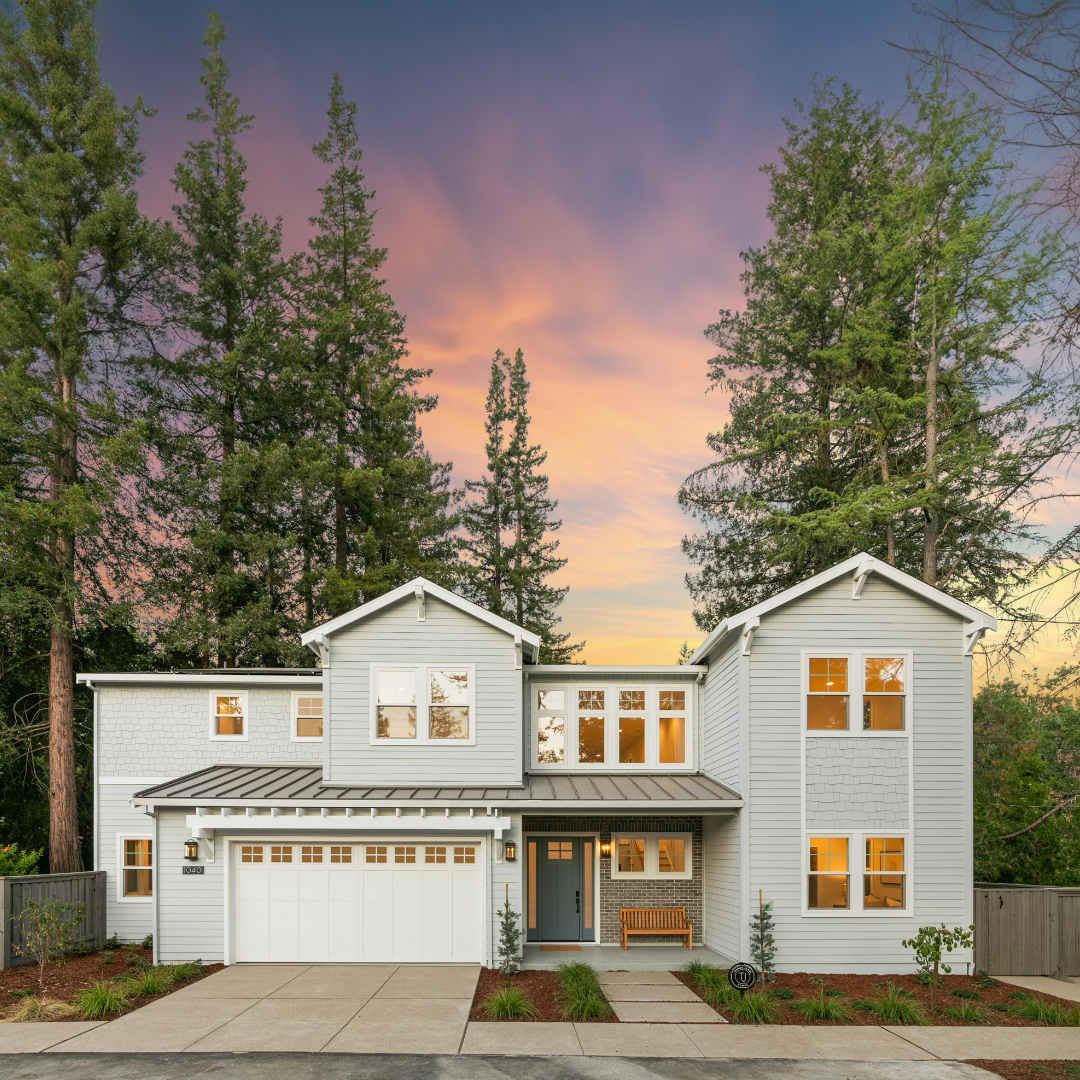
pixel 138 875
pixel 859 692
pixel 228 715
pixel 611 727
pixel 423 703
pixel 307 715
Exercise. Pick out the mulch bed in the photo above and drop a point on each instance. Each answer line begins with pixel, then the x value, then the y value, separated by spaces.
pixel 868 986
pixel 540 987
pixel 79 973
pixel 1030 1070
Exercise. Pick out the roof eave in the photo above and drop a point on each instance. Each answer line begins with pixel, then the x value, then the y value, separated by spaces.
pixel 568 805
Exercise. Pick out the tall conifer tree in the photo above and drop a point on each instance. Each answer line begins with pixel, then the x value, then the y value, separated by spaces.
pixel 387 502
pixel 70 235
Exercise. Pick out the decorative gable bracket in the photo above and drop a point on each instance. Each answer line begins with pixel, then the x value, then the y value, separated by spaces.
pixel 421 610
pixel 973 634
pixel 858 580
pixel 750 628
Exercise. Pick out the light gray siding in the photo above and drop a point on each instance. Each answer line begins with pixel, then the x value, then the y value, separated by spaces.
pixel 720 756
pixel 889 619
pixel 447 636
pixel 164 729
pixel 129 919
pixel 506 881
pixel 720 880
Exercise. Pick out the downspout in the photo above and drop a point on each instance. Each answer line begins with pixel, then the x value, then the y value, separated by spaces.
pixel 154 864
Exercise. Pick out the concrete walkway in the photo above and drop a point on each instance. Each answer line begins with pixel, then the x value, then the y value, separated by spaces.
pixel 1070 991
pixel 612 958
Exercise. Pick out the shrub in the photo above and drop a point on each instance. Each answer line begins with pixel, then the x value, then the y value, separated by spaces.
pixel 969 1013
pixel 894 1006
pixel 998 1007
pixel 1041 1011
pixel 147 942
pixel 1021 995
pixel 509 1003
pixel 755 1008
pixel 15 860
pixel 154 981
pixel 781 993
pixel 48 930
pixel 966 992
pixel 100 1000
pixel 134 959
pixel 762 945
pixel 831 992
pixel 111 943
pixel 81 948
pixel 821 1008
pixel 31 1008
pixel 984 981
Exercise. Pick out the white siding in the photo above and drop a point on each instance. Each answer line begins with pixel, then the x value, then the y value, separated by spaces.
pixel 447 636
pixel 720 756
pixel 130 920
pixel 886 618
pixel 720 885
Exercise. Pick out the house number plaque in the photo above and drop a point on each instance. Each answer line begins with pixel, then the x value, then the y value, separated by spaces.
pixel 192 869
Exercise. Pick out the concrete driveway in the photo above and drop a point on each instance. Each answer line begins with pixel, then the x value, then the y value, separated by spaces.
pixel 345 1008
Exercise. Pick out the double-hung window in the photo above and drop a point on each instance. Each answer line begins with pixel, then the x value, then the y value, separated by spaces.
pixel 835 865
pixel 884 872
pixel 857 692
pixel 307 716
pixel 137 870
pixel 424 704
pixel 229 715
pixel 827 886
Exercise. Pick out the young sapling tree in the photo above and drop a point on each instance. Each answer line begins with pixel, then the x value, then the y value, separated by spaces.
pixel 929 944
pixel 48 931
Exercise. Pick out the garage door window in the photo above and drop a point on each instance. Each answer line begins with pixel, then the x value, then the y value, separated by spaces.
pixel 405 855
pixel 340 854
pixel 251 853
pixel 310 854
pixel 465 855
pixel 279 854
pixel 375 854
pixel 435 855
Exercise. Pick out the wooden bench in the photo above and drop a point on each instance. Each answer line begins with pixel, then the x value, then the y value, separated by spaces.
pixel 655 921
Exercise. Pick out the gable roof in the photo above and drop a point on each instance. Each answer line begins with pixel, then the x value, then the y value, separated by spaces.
pixel 858 567
pixel 418 588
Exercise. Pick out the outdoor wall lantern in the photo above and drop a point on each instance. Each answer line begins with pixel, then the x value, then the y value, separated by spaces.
pixel 191 848
pixel 605 848
pixel 510 850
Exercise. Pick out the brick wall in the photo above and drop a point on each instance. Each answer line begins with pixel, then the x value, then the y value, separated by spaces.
pixel 684 892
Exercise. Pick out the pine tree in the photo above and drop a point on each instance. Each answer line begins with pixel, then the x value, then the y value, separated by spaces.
pixel 384 516
pixel 762 945
pixel 510 525
pixel 509 938
pixel 70 239
pixel 226 581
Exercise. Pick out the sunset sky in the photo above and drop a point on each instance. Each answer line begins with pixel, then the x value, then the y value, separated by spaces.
pixel 574 179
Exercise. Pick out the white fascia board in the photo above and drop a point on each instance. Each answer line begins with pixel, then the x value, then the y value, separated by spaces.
pixel 215 823
pixel 585 670
pixel 848 566
pixel 408 591
pixel 570 806
pixel 209 679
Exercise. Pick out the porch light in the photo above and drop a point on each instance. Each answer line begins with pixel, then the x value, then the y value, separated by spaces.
pixel 191 848
pixel 510 850
pixel 605 848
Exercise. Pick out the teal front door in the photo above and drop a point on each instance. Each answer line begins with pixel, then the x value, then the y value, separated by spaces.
pixel 561 888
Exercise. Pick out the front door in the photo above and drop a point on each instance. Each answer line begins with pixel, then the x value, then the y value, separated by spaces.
pixel 560 874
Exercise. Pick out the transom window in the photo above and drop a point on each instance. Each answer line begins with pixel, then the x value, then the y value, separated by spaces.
pixel 612 727
pixel 877 684
pixel 228 715
pixel 307 716
pixel 423 704
pixel 138 867
pixel 651 855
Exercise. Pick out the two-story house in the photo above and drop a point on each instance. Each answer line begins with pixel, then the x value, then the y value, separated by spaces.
pixel 380 805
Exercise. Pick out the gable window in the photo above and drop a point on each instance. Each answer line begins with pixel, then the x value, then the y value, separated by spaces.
pixel 883 693
pixel 138 868
pixel 884 874
pixel 827 886
pixel 651 855
pixel 307 714
pixel 827 693
pixel 228 715
pixel 423 704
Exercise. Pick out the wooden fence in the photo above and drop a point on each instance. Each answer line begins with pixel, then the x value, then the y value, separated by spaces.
pixel 1027 930
pixel 87 888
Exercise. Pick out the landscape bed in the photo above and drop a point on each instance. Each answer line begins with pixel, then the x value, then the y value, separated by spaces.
pixel 542 988
pixel 848 989
pixel 1029 1070
pixel 63 980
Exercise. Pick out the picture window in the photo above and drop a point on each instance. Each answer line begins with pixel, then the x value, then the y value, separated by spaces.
pixel 551 740
pixel 652 855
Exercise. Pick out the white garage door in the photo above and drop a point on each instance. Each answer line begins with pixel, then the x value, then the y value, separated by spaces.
pixel 418 901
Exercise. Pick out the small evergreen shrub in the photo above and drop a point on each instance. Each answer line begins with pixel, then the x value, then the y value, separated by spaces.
pixel 755 1008
pixel 816 980
pixel 966 992
pixel 1021 995
pixel 509 936
pixel 984 982
pixel 781 993
pixel 762 944
pixel 81 948
pixel 833 993
pixel 821 1008
pixel 111 943
pixel 893 1006
pixel 999 1007
pixel 101 1000
pixel 147 942
pixel 509 1003
pixel 969 1013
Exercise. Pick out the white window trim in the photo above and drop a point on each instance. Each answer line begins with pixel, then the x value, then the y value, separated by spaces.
pixel 294 697
pixel 856 863
pixel 120 897
pixel 652 857
pixel 423 693
pixel 855 730
pixel 569 716
pixel 245 704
